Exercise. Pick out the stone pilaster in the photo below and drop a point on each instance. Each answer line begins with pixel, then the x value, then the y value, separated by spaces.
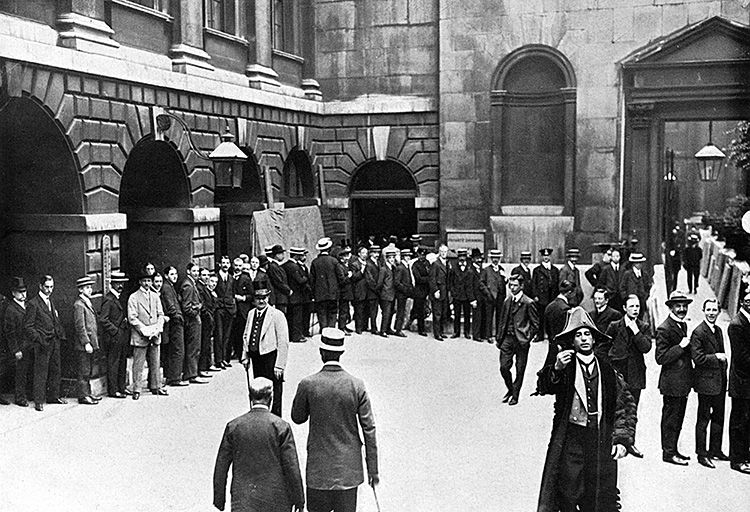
pixel 259 70
pixel 81 26
pixel 187 51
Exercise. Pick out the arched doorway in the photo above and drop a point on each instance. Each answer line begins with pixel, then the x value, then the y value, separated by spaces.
pixel 298 180
pixel 155 195
pixel 236 209
pixel 533 123
pixel 382 195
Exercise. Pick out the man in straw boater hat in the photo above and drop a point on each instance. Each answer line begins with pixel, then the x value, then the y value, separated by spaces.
pixel 146 317
pixel 18 343
pixel 115 329
pixel 524 269
pixel 324 280
pixel 676 377
pixel 636 281
pixel 259 446
pixel 86 340
pixel 337 405
pixel 298 278
pixel 570 272
pixel 492 283
pixel 594 423
pixel 265 344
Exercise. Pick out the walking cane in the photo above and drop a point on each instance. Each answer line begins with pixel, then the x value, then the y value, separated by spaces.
pixel 375 493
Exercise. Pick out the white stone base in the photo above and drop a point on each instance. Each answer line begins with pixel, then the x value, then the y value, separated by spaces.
pixel 514 233
pixel 85 34
pixel 189 60
pixel 312 89
pixel 262 77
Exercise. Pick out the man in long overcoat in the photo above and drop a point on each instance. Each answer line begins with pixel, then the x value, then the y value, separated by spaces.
pixel 492 283
pixel 631 338
pixel 570 272
pixel 259 446
pixel 676 377
pixel 19 347
pixel 739 389
pixel 461 278
pixel 594 424
pixel 115 334
pixel 281 292
pixel 325 275
pixel 298 278
pixel 86 340
pixel 545 282
pixel 337 406
pixel 439 291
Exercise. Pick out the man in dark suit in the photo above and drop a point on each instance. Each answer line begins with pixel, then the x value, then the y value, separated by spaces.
pixel 280 290
pixel 478 323
pixel 17 340
pixel 439 291
pixel 359 289
pixel 346 290
pixel 518 324
pixel 609 279
pixel 298 278
pixel 209 299
pixel 739 389
pixel 337 406
pixel 630 339
pixel 421 272
pixel 173 337
pixel 461 287
pixel 191 305
pixel 554 318
pixel 244 296
pixel 693 256
pixel 325 275
pixel 545 282
pixel 570 272
pixel 492 282
pixel 45 333
pixel 372 272
pixel 676 378
pixel 86 340
pixel 594 272
pixel 710 382
pixel 402 281
pixel 113 320
pixel 226 309
pixel 636 281
pixel 602 314
pixel 260 448
pixel 387 291
pixel 524 269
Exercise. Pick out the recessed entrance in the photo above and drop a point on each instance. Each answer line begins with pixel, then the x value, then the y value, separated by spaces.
pixel 382 195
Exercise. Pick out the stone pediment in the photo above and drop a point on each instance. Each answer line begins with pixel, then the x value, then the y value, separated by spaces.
pixel 714 39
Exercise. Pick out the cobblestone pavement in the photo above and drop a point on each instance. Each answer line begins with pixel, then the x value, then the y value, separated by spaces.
pixel 446 442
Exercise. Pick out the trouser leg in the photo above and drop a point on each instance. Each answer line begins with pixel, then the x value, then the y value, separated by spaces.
pixel 263 366
pixel 22 374
pixel 418 312
pixel 437 317
pixel 522 355
pixel 739 430
pixel 139 359
pixel 673 414
pixel 386 306
pixel 176 358
pixel 153 353
pixel 192 347
pixel 506 361
pixel 359 316
pixel 701 424
pixel 207 331
pixel 84 374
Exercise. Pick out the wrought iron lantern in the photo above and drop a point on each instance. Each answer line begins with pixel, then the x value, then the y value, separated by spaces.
pixel 710 158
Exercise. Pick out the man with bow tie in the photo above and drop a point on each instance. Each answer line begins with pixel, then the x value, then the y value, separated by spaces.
pixel 44 330
pixel 676 378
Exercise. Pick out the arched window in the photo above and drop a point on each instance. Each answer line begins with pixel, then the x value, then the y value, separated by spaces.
pixel 298 176
pixel 533 123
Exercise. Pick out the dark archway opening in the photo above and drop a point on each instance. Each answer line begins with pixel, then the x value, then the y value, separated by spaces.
pixel 382 195
pixel 155 195
pixel 236 209
pixel 298 187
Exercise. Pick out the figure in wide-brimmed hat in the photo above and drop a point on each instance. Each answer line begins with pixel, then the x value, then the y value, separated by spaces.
pixel 594 422
pixel 676 378
pixel 636 281
pixel 18 343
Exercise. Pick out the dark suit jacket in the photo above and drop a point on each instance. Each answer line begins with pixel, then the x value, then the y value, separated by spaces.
pixel 346 291
pixel 209 301
pixel 492 284
pixel 337 405
pixel 243 285
pixel 298 278
pixel 402 281
pixel 627 349
pixel 259 446
pixel 593 273
pixel 609 279
pixel 372 272
pixel 439 279
pixel 524 317
pixel 86 325
pixel 225 293
pixel 676 378
pixel 190 299
pixel 554 317
pixel 606 317
pixel 359 283
pixel 13 329
pixel 693 255
pixel 421 272
pixel 325 274
pixel 739 370
pixel 527 287
pixel 386 287
pixel 461 282
pixel 545 284
pixel 113 321
pixel 279 285
pixel 632 285
pixel 170 303
pixel 42 326
pixel 574 276
pixel 710 374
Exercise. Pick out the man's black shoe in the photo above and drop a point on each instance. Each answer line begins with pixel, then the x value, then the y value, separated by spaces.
pixel 742 467
pixel 718 456
pixel 439 338
pixel 87 400
pixel 422 333
pixel 457 335
pixel 399 334
pixel 160 391
pixel 22 402
pixel 672 459
pixel 3 401
pixel 96 399
pixel 39 407
pixel 635 452
pixel 117 394
pixel 507 397
pixel 681 456
pixel 513 401
pixel 205 375
pixel 196 380
pixel 706 462
pixel 136 395
pixel 60 401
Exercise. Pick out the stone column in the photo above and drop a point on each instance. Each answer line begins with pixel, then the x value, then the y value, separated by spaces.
pixel 259 69
pixel 81 25
pixel 187 51
pixel 637 183
pixel 306 38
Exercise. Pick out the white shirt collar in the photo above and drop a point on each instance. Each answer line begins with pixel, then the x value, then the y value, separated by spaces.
pixel 20 303
pixel 547 264
pixel 673 317
pixel 44 297
pixel 115 293
pixel 747 315
pixel 260 406
pixel 571 265
pixel 563 297
pixel 710 325
pixel 332 363
pixel 517 296
pixel 585 358
pixel 637 272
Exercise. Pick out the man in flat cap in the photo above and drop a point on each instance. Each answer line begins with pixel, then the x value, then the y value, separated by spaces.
pixel 545 282
pixel 115 329
pixel 337 406
pixel 260 448
pixel 676 378
pixel 18 342
pixel 593 427
pixel 325 275
pixel 265 344
pixel 570 272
